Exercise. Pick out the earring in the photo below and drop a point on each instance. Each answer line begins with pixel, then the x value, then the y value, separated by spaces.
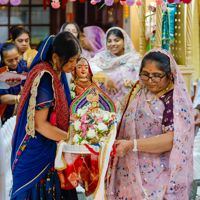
pixel 54 66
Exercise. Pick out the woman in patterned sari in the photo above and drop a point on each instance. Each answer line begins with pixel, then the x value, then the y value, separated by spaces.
pixel 42 120
pixel 118 63
pixel 154 158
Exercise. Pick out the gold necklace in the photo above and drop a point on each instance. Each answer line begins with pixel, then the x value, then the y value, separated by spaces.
pixel 83 79
pixel 160 94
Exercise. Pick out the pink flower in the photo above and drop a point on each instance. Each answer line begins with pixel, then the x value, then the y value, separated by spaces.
pixel 84 118
pixel 83 127
pixel 18 153
pixel 100 120
pixel 93 2
pixel 159 2
pixel 55 5
pixel 84 133
pixel 139 3
pixel 92 127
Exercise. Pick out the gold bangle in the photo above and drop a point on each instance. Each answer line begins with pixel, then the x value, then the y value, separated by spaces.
pixel 15 98
pixel 18 97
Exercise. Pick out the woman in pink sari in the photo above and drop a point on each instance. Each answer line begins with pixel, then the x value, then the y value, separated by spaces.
pixel 93 40
pixel 154 158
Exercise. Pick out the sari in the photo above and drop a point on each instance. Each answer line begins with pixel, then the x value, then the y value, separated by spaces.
pixel 29 55
pixel 168 175
pixel 117 67
pixel 95 37
pixel 10 110
pixel 34 176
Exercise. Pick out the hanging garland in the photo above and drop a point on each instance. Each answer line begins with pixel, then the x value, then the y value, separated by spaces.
pixel 56 3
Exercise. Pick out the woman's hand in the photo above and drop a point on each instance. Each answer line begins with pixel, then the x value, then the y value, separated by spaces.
pixel 46 129
pixel 127 82
pixel 110 85
pixel 123 146
pixel 118 106
pixel 196 117
pixel 9 99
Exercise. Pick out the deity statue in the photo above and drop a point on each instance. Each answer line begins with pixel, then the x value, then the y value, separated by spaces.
pixel 82 76
pixel 94 99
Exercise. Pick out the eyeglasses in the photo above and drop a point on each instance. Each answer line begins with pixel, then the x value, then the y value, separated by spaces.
pixel 71 31
pixel 155 79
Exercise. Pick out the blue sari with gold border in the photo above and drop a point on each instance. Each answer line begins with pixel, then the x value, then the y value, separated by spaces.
pixel 32 158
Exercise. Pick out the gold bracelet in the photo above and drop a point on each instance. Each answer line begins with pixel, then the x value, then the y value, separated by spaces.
pixel 18 97
pixel 15 98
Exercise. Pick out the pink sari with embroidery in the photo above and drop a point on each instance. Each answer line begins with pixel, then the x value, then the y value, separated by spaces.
pixel 156 176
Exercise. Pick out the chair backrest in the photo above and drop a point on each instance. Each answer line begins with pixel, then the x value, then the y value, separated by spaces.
pixel 7 132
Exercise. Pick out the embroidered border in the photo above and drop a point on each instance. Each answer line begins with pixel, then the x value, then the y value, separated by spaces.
pixel 30 126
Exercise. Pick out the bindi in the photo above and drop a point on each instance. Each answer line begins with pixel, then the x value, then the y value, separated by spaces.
pixel 150 70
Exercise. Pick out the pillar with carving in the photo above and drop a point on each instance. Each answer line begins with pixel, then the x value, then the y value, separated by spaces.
pixel 142 28
pixel 189 35
pixel 158 26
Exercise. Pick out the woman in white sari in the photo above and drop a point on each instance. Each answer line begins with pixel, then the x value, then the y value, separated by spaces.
pixel 118 63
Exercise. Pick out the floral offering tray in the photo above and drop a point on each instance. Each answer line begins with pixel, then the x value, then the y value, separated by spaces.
pixel 84 157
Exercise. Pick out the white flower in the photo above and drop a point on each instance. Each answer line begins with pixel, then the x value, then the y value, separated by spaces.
pixel 81 111
pixel 102 127
pixel 106 117
pixel 72 86
pixel 76 138
pixel 91 133
pixel 77 125
pixel 84 142
pixel 73 95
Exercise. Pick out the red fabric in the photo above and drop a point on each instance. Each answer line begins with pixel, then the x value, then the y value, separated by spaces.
pixel 97 153
pixel 171 1
pixel 84 168
pixel 61 109
pixel 82 1
pixel 64 3
pixel 44 5
pixel 2 109
pixel 186 1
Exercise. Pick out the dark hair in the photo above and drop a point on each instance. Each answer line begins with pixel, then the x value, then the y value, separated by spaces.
pixel 7 47
pixel 115 32
pixel 83 26
pixel 14 27
pixel 65 45
pixel 75 24
pixel 162 62
pixel 19 31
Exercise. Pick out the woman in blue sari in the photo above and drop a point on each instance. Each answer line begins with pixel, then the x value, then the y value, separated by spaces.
pixel 9 98
pixel 42 120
